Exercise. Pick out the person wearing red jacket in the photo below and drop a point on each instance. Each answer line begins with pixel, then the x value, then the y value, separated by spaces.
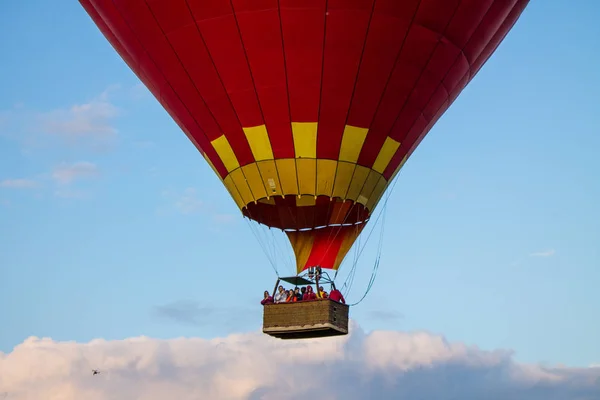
pixel 267 298
pixel 336 295
pixel 309 295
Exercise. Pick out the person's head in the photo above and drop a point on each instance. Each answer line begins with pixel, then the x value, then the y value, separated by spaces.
pixel 280 288
pixel 303 289
pixel 290 292
pixel 297 290
pixel 309 289
pixel 321 288
pixel 266 294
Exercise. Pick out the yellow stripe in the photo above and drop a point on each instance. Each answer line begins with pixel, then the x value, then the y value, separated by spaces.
pixel 228 182
pixel 307 175
pixel 212 165
pixel 302 243
pixel 367 190
pixel 305 139
pixel 325 176
pixel 254 181
pixel 287 174
pixel 269 178
pixel 343 176
pixel 399 168
pixel 385 154
pixel 381 186
pixel 352 142
pixel 358 181
pixel 378 192
pixel 350 237
pixel 259 142
pixel 268 171
pixel 225 152
pixel 242 185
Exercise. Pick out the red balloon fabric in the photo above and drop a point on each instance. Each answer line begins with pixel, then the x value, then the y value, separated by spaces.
pixel 305 109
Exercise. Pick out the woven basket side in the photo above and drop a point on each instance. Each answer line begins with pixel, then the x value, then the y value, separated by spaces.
pixel 305 314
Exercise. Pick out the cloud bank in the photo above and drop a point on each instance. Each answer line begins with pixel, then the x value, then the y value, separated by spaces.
pixel 378 365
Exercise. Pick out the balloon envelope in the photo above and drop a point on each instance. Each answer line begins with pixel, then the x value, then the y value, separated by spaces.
pixel 306 109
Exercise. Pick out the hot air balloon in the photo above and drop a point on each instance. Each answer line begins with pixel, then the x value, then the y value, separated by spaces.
pixel 306 109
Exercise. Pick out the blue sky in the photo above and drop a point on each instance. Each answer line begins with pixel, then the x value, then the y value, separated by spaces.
pixel 112 225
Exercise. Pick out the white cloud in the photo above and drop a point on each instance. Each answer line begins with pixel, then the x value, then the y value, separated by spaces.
pixel 381 365
pixel 19 183
pixel 547 253
pixel 89 124
pixel 65 174
pixel 81 119
pixel 189 202
pixel 91 120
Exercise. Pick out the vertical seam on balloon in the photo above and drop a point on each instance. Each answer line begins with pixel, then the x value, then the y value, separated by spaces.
pixel 354 91
pixel 287 92
pixel 212 61
pixel 506 32
pixel 154 62
pixel 470 65
pixel 461 52
pixel 192 81
pixel 293 216
pixel 391 73
pixel 262 114
pixel 113 35
pixel 443 34
pixel 416 83
pixel 184 68
pixel 287 87
pixel 321 85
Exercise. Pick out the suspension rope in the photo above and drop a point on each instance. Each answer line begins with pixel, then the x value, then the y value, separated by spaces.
pixel 376 266
pixel 350 280
pixel 379 248
pixel 285 256
pixel 262 245
pixel 359 249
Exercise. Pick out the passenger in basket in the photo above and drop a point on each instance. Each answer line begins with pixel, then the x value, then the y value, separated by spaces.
pixel 298 294
pixel 303 292
pixel 336 295
pixel 267 299
pixel 309 295
pixel 281 295
pixel 290 296
pixel 322 293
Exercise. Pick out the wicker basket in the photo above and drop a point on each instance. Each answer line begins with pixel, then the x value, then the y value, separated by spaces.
pixel 306 319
